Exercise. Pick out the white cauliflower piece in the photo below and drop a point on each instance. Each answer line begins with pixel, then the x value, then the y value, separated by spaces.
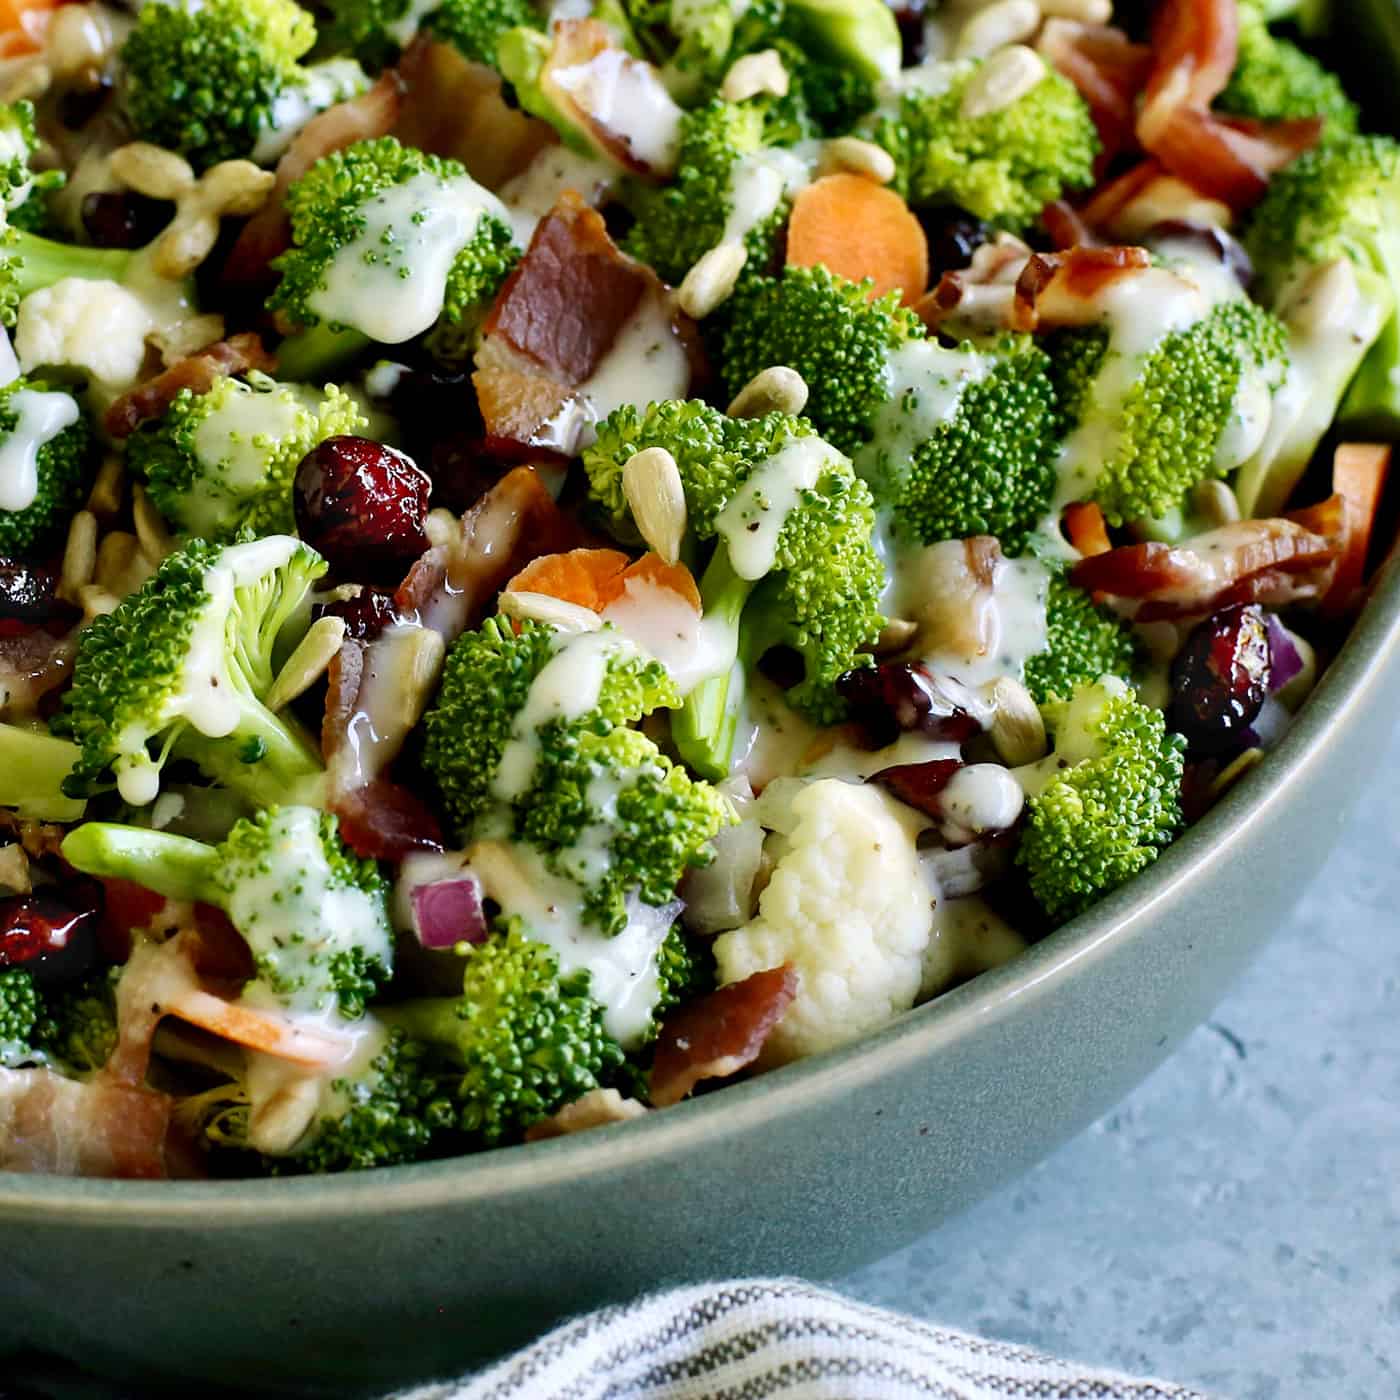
pixel 95 326
pixel 848 908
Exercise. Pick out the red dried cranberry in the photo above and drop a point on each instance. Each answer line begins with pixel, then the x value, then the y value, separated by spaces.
pixel 122 219
pixel 909 16
pixel 898 697
pixel 27 593
pixel 51 937
pixel 1220 679
pixel 954 236
pixel 362 505
pixel 919 784
pixel 366 615
pixel 79 105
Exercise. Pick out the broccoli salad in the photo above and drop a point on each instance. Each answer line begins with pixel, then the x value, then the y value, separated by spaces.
pixel 553 556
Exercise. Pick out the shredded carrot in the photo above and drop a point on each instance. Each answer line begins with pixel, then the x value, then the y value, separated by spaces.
pixel 23 25
pixel 1359 471
pixel 1084 523
pixel 859 229
pixel 594 578
pixel 259 1030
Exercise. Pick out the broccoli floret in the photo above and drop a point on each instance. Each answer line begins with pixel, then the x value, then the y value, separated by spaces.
pixel 34 766
pixel 524 1039
pixel 21 1019
pixel 822 578
pixel 1165 435
pixel 20 188
pixel 679 223
pixel 832 333
pixel 79 1028
pixel 314 915
pixel 1341 200
pixel 518 750
pixel 1004 166
pixel 182 667
pixel 1105 802
pixel 360 266
pixel 47 438
pixel 475 27
pixel 1083 641
pixel 222 460
pixel 218 80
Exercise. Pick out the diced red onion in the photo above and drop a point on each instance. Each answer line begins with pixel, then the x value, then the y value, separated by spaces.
pixel 1284 660
pixel 448 912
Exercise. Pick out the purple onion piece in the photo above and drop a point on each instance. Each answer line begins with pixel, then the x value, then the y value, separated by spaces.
pixel 1284 661
pixel 448 912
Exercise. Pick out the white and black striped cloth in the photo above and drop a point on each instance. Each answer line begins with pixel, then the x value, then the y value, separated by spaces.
pixel 759 1338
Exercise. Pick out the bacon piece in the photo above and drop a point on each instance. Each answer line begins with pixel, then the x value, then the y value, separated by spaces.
pixel 385 821
pixel 596 1109
pixel 269 231
pixel 717 1035
pixel 1273 561
pixel 980 296
pixel 1062 289
pixel 454 108
pixel 1108 69
pixel 33 662
pixel 101 1128
pixel 1067 227
pixel 1146 197
pixel 196 373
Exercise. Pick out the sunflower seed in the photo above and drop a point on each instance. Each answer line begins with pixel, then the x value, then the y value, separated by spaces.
pixel 857 157
pixel 563 616
pixel 753 74
pixel 651 482
pixel 776 389
pixel 711 282
pixel 1017 730
pixel 1006 77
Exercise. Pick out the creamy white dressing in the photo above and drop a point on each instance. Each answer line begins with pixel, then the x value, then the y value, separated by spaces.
pixel 294 925
pixel 389 281
pixel 845 760
pixel 665 626
pixel 622 967
pixel 758 184
pixel 324 84
pixel 979 799
pixel 529 196
pixel 626 99
pixel 207 700
pixel 968 937
pixel 42 416
pixel 754 516
pixel 567 687
pixel 924 382
pixel 1248 423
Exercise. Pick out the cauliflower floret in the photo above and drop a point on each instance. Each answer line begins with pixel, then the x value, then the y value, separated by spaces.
pixel 848 908
pixel 96 326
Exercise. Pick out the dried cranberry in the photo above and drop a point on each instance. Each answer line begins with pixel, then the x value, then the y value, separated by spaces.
pixel 362 505
pixel 121 219
pixel 909 16
pixel 898 697
pixel 919 784
pixel 27 593
pixel 53 938
pixel 79 105
pixel 954 236
pixel 366 615
pixel 1220 679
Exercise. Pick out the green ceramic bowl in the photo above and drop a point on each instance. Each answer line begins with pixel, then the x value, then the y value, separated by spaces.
pixel 351 1284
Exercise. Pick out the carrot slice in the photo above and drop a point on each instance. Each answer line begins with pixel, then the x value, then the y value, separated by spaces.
pixel 260 1030
pixel 857 229
pixel 1085 526
pixel 1359 471
pixel 594 578
pixel 23 25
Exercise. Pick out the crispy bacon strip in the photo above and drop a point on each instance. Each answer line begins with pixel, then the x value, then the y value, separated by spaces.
pixel 719 1034
pixel 1067 227
pixel 1273 561
pixel 196 373
pixel 101 1128
pixel 1109 71
pixel 1062 289
pixel 269 231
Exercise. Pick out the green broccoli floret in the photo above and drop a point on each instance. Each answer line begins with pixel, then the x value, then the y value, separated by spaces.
pixel 21 1019
pixel 47 438
pixel 1083 641
pixel 957 442
pixel 182 666
pixel 219 79
pixel 1341 200
pixel 375 30
pixel 1004 166
pixel 828 330
pixel 475 27
pixel 1274 80
pixel 20 187
pixel 314 915
pixel 1166 434
pixel 79 1028
pixel 359 267
pixel 524 1039
pixel 1105 802
pixel 528 739
pixel 677 224
pixel 821 575
pixel 34 765
pixel 224 460
pixel 693 40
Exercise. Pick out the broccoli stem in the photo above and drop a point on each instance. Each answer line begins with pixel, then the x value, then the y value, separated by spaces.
pixel 316 352
pixel 265 760
pixel 33 766
pixel 42 262
pixel 428 1020
pixel 705 727
pixel 174 866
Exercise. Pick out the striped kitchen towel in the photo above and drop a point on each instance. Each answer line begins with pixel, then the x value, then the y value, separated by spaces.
pixel 758 1338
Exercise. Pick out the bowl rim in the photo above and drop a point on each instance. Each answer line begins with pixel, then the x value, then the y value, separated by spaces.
pixel 1129 912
